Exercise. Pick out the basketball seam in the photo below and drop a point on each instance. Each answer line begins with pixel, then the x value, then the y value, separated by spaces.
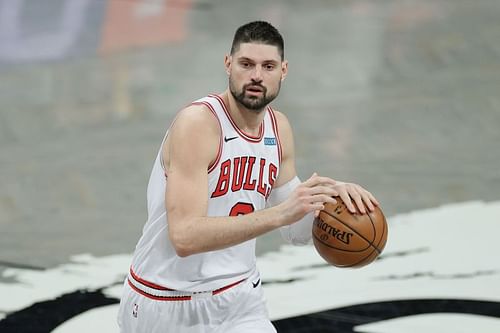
pixel 375 248
pixel 359 262
pixel 339 249
pixel 382 236
pixel 356 231
pixel 371 244
pixel 375 235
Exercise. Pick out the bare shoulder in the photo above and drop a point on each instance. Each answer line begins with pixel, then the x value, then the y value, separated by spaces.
pixel 195 117
pixel 287 170
pixel 284 129
pixel 193 137
pixel 282 119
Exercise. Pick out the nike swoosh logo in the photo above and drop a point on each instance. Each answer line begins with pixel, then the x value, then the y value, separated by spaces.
pixel 256 283
pixel 226 139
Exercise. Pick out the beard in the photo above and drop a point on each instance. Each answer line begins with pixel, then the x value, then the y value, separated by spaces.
pixel 253 103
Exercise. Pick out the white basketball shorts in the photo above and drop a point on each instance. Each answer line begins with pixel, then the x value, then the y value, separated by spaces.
pixel 239 308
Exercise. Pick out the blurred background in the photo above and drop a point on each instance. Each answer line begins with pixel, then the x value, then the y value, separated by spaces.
pixel 399 96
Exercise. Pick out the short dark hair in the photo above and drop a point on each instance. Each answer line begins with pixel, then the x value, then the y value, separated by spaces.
pixel 258 31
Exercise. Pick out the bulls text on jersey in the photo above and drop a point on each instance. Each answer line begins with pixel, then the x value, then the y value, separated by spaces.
pixel 238 174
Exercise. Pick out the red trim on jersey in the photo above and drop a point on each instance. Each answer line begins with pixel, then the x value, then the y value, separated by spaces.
pixel 276 133
pixel 212 166
pixel 147 283
pixel 187 297
pixel 159 298
pixel 209 106
pixel 245 136
pixel 220 290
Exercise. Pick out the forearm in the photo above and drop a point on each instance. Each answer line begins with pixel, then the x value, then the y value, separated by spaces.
pixel 202 234
pixel 300 232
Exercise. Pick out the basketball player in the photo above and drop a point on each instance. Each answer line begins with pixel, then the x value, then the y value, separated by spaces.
pixel 224 175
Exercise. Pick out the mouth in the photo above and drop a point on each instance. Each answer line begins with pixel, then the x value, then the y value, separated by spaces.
pixel 255 90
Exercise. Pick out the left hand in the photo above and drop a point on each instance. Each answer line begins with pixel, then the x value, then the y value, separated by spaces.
pixel 362 198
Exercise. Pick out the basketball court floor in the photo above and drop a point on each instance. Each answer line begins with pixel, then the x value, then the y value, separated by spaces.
pixel 402 97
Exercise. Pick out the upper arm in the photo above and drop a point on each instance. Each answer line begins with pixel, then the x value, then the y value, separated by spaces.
pixel 287 168
pixel 190 148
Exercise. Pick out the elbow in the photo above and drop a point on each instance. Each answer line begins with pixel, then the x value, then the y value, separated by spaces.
pixel 183 252
pixel 181 244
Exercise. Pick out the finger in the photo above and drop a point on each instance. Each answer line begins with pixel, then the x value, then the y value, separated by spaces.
pixel 314 174
pixel 372 199
pixel 321 189
pixel 316 180
pixel 317 203
pixel 318 206
pixel 347 200
pixel 368 203
pixel 322 198
pixel 358 200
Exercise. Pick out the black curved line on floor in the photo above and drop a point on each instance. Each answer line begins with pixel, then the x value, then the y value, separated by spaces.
pixel 44 317
pixel 11 264
pixel 383 256
pixel 344 320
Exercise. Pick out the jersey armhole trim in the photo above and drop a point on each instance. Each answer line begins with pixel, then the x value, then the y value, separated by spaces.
pixel 276 133
pixel 212 165
pixel 219 149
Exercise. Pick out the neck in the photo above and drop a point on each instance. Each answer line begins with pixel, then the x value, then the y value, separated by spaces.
pixel 248 121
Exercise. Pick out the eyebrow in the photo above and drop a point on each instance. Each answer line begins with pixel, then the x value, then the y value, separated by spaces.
pixel 251 60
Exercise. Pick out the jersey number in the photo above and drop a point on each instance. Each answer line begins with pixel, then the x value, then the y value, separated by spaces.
pixel 241 208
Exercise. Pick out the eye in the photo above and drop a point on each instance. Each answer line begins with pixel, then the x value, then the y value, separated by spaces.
pixel 269 67
pixel 245 64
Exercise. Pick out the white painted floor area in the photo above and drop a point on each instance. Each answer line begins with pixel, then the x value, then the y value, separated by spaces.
pixel 443 253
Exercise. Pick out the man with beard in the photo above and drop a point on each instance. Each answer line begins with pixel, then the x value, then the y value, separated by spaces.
pixel 225 174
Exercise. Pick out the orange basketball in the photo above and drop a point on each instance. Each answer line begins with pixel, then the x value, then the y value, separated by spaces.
pixel 349 240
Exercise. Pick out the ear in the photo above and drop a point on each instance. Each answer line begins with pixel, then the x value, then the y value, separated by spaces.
pixel 227 63
pixel 284 69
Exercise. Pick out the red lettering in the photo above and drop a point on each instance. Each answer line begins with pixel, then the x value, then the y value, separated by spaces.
pixel 262 188
pixel 273 174
pixel 223 182
pixel 241 176
pixel 249 183
pixel 238 173
pixel 241 208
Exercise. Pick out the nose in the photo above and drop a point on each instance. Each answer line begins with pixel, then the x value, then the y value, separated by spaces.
pixel 257 74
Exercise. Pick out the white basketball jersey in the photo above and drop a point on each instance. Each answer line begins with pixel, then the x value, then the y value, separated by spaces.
pixel 239 182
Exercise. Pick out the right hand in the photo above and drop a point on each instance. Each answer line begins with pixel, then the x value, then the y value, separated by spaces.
pixel 309 196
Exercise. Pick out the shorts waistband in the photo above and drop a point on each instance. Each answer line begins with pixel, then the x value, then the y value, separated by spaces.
pixel 161 293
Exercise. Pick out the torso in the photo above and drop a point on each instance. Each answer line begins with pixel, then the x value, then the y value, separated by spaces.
pixel 240 178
